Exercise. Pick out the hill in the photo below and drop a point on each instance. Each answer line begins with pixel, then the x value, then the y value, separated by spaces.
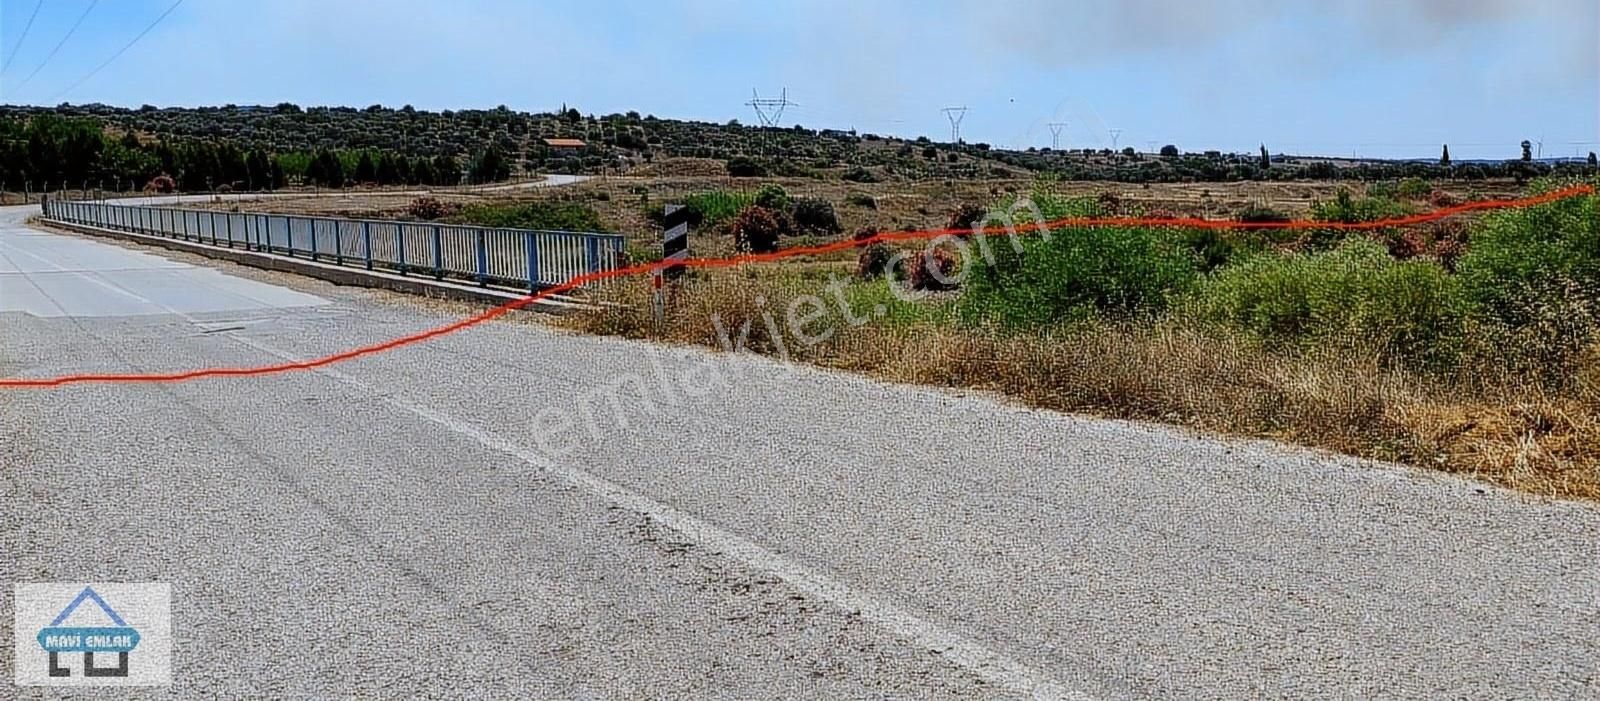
pixel 262 147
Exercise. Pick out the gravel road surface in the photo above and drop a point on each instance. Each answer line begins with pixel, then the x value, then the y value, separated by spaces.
pixel 514 511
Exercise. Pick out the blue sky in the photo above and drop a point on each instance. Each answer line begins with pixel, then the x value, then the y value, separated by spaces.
pixel 1373 77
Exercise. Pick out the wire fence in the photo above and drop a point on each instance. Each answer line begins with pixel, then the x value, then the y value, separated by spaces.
pixel 518 258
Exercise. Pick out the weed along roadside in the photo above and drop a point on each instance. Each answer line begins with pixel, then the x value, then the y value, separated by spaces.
pixel 1464 345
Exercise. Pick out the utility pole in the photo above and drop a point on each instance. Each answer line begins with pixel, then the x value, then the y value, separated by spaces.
pixel 1151 146
pixel 1115 134
pixel 1055 135
pixel 955 114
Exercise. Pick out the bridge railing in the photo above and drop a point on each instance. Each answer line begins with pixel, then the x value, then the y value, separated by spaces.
pixel 502 257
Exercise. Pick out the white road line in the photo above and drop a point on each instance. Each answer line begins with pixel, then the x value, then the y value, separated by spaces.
pixel 992 666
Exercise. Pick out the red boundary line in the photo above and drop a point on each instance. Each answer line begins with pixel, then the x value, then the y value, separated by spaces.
pixel 778 255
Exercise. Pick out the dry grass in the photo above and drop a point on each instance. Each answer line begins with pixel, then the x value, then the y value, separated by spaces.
pixel 1524 438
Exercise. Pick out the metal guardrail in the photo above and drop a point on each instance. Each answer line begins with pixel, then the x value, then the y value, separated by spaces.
pixel 519 258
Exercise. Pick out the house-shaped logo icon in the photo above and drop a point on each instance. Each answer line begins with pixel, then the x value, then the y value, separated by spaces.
pixel 119 637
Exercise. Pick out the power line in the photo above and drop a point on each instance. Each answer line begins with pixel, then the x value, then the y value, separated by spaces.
pixel 120 51
pixel 59 44
pixel 24 36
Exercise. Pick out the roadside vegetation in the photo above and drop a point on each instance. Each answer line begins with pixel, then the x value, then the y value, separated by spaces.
pixel 1467 347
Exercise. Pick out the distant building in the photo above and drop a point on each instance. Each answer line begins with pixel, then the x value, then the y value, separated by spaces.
pixel 565 144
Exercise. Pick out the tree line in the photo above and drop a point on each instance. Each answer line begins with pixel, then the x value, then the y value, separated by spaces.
pixel 48 152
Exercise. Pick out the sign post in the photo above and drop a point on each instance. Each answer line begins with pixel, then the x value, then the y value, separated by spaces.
pixel 674 251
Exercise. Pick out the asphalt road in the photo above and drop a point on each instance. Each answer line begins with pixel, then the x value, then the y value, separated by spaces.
pixel 424 523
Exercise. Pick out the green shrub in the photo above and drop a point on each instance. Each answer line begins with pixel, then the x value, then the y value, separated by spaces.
pixel 557 216
pixel 710 208
pixel 1214 248
pixel 812 215
pixel 1347 209
pixel 1075 273
pixel 1355 296
pixel 772 197
pixel 1415 189
pixel 1257 212
pixel 744 167
pixel 1533 251
pixel 1533 275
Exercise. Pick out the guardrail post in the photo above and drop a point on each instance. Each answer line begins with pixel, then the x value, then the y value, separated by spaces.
pixel 529 243
pixel 228 220
pixel 400 245
pixel 338 249
pixel 366 242
pixel 438 254
pixel 483 258
pixel 288 234
pixel 313 239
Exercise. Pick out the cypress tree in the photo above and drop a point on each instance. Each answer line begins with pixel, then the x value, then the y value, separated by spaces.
pixel 402 170
pixel 366 172
pixel 1444 158
pixel 445 170
pixel 388 174
pixel 422 173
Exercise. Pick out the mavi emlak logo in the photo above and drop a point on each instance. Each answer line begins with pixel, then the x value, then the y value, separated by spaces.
pixel 119 638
